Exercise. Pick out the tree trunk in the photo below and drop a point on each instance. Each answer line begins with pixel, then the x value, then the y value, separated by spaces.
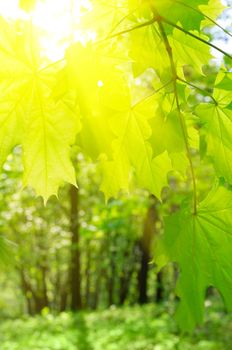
pixel 75 273
pixel 27 291
pixel 125 278
pixel 112 273
pixel 63 300
pixel 145 247
pixel 88 274
pixel 159 289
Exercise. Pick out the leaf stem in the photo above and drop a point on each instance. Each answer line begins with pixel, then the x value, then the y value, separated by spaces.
pixel 198 88
pixel 163 86
pixel 52 64
pixel 196 37
pixel 153 93
pixel 138 26
pixel 181 119
pixel 159 19
pixel 121 21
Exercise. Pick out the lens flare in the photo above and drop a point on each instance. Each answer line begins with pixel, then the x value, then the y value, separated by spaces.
pixel 58 23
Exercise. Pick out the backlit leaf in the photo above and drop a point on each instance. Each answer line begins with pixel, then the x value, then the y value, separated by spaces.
pixel 201 245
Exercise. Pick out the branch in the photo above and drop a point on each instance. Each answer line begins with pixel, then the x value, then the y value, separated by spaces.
pixel 144 24
pixel 198 88
pixel 181 119
pixel 196 37
pixel 158 18
pixel 52 64
pixel 153 93
pixel 122 20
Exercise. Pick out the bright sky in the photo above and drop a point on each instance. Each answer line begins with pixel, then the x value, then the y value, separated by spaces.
pixel 54 17
pixel 221 39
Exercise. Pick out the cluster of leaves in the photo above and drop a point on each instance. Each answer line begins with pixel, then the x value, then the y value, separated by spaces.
pixel 138 130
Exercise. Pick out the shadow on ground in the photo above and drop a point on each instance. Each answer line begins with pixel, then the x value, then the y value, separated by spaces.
pixel 79 324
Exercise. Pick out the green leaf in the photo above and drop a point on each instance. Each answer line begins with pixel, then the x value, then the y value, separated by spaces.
pixel 27 5
pixel 167 135
pixel 31 117
pixel 184 11
pixel 100 89
pixel 131 149
pixel 211 10
pixel 187 12
pixel 217 127
pixel 201 245
pixel 106 17
pixel 46 143
pixel 166 132
pixel 11 128
pixel 189 51
pixel 147 50
pixel 225 81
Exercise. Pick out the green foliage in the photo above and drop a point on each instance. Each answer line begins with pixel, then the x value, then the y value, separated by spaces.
pixel 207 260
pixel 140 328
pixel 30 116
pixel 140 133
pixel 40 255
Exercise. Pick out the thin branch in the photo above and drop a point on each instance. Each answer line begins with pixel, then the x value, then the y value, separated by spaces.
pixel 122 20
pixel 196 37
pixel 153 93
pixel 144 24
pixel 198 88
pixel 164 86
pixel 159 19
pixel 52 64
pixel 182 121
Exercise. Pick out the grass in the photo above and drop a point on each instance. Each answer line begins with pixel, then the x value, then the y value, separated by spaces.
pixel 130 328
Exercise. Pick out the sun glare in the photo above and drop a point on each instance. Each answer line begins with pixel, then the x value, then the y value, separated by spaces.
pixel 58 21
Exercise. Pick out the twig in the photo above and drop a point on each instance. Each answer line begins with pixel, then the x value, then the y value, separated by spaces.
pixel 196 37
pixel 198 88
pixel 144 24
pixel 182 121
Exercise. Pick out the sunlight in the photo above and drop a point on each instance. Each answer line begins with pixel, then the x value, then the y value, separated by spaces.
pixel 58 23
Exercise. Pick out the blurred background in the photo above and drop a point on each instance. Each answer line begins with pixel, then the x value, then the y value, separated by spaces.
pixel 78 273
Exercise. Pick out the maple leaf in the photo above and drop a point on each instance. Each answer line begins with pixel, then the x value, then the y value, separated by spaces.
pixel 29 115
pixel 147 50
pixel 131 150
pixel 189 51
pixel 216 120
pixel 201 245
pixel 99 87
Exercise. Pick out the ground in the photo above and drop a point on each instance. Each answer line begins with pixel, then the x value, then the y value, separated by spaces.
pixel 129 328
